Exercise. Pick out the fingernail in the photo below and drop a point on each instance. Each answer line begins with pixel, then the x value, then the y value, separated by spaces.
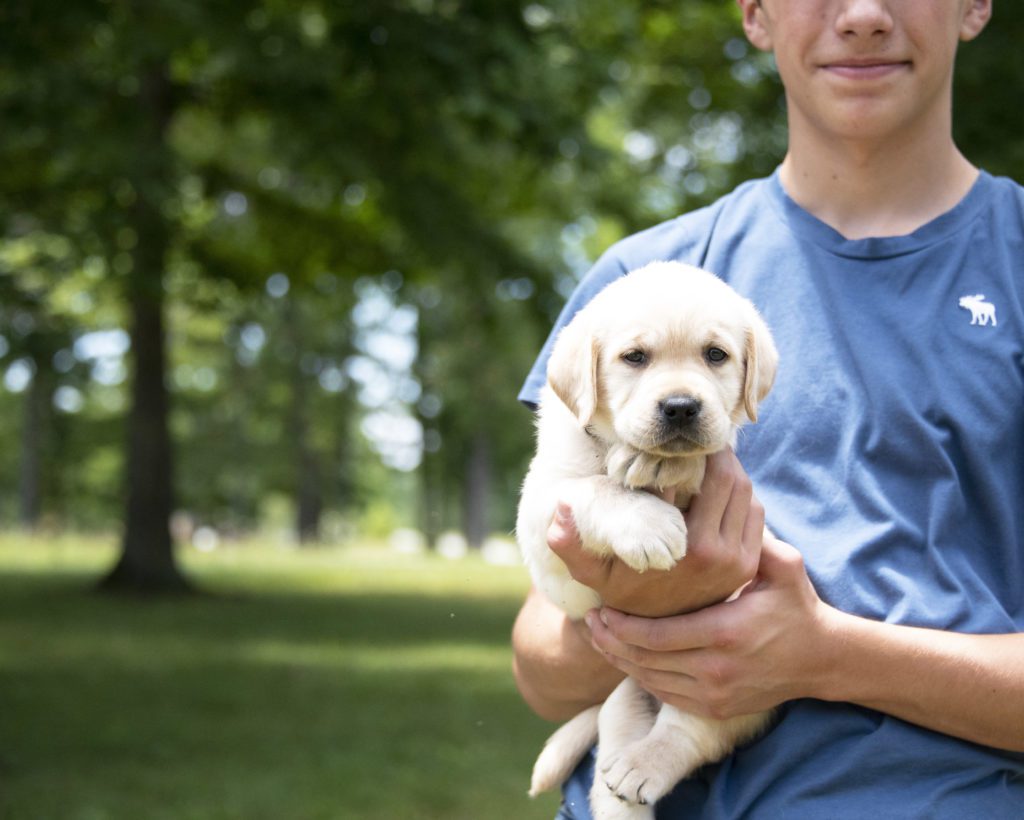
pixel 590 619
pixel 604 617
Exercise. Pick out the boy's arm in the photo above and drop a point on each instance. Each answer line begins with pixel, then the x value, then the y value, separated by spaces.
pixel 557 670
pixel 968 686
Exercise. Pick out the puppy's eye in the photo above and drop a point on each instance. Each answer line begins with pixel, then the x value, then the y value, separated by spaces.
pixel 635 357
pixel 715 355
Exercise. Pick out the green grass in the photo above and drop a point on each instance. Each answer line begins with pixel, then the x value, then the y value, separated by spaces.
pixel 348 683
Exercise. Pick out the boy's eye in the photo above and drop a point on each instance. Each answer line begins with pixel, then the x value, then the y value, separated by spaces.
pixel 716 355
pixel 635 356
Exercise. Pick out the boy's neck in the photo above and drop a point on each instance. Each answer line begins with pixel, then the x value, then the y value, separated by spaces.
pixel 881 188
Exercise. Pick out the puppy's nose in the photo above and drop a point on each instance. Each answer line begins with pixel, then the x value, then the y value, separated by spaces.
pixel 679 410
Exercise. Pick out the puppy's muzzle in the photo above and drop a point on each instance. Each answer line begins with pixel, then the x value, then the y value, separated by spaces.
pixel 679 413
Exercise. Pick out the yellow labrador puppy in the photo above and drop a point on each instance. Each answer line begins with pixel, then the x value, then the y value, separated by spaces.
pixel 656 373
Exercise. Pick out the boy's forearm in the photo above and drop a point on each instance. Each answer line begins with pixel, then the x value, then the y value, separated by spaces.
pixel 557 670
pixel 968 686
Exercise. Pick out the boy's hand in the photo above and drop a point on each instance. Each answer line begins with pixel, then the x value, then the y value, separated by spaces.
pixel 734 658
pixel 725 525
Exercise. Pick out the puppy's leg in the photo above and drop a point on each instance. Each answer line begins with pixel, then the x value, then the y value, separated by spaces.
pixel 638 527
pixel 679 743
pixel 626 717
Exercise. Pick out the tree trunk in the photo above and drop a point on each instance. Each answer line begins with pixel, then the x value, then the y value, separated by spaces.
pixel 308 490
pixel 477 493
pixel 309 498
pixel 31 467
pixel 431 500
pixel 310 504
pixel 147 562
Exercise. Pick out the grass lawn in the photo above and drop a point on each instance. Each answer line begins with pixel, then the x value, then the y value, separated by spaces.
pixel 350 683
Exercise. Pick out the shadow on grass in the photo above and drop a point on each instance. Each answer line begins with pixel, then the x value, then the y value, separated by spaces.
pixel 65 604
pixel 260 705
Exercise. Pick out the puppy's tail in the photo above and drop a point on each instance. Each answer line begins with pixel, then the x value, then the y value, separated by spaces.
pixel 563 751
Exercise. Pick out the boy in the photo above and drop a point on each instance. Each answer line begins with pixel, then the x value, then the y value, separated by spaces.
pixel 890 452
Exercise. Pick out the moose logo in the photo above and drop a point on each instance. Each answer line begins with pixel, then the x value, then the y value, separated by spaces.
pixel 982 312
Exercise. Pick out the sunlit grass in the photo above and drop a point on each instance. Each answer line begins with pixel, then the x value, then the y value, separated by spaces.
pixel 347 682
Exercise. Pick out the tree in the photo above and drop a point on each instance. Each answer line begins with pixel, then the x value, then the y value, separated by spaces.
pixel 179 102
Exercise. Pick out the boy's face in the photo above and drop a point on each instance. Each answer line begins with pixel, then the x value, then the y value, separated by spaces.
pixel 865 69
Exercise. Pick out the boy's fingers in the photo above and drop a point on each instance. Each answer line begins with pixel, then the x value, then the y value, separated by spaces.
pixel 562 535
pixel 713 498
pixel 695 630
pixel 564 541
pixel 737 509
pixel 607 642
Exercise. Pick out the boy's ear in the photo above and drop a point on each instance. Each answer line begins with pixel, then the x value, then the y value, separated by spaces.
pixel 572 370
pixel 976 17
pixel 755 24
pixel 761 360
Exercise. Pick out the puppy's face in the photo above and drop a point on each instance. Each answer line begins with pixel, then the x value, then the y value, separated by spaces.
pixel 672 384
pixel 667 360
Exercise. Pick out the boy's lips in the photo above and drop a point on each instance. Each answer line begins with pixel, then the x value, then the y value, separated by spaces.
pixel 865 69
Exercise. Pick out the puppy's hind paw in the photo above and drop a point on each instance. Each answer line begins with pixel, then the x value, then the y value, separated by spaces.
pixel 606 805
pixel 633 782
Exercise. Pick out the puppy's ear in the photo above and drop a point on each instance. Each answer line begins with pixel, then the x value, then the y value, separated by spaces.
pixel 572 370
pixel 761 362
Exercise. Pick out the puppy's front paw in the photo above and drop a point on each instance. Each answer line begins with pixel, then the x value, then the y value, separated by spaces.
pixel 632 468
pixel 649 534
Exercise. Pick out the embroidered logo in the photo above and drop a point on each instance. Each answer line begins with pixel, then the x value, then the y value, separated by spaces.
pixel 982 312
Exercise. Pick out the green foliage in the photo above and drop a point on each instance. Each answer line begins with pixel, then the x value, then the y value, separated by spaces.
pixel 466 159
pixel 987 87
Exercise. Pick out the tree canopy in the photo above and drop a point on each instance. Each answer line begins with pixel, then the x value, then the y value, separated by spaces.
pixel 286 263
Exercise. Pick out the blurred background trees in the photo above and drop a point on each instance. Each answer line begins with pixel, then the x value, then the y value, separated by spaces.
pixel 284 265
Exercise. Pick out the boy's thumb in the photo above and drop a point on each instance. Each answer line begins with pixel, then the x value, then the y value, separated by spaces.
pixel 564 540
pixel 780 562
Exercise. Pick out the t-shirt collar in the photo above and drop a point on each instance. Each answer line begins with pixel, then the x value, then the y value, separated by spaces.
pixel 809 227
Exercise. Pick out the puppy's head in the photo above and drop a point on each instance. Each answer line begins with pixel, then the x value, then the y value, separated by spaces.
pixel 667 359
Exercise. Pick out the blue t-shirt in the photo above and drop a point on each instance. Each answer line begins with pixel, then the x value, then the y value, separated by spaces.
pixel 891 454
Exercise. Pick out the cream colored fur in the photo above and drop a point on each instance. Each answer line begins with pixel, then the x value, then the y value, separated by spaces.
pixel 602 441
